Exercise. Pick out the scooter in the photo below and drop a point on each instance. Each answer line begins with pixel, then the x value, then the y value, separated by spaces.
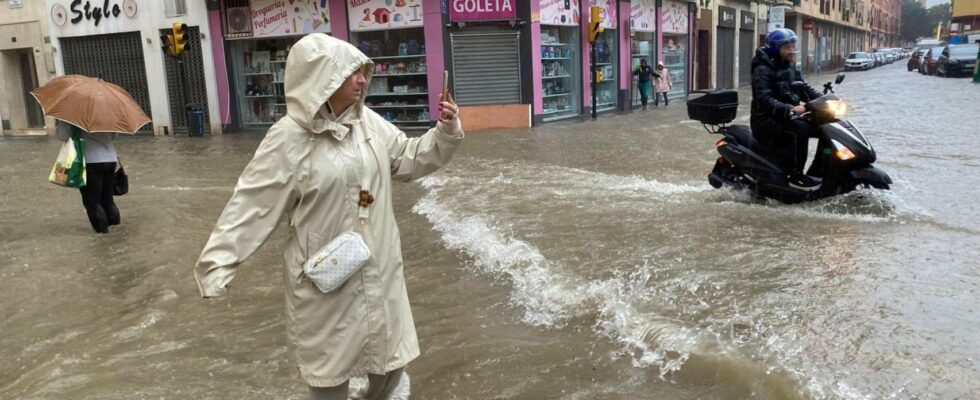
pixel 843 161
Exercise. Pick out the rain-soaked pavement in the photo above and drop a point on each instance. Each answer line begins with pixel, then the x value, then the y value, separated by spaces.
pixel 574 261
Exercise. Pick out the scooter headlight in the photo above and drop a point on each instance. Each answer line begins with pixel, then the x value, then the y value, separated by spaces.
pixel 842 152
pixel 838 108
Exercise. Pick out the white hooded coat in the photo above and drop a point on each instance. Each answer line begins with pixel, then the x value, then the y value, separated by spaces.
pixel 308 169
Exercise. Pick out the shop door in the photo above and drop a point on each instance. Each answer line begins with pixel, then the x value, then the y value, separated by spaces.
pixel 486 68
pixel 196 90
pixel 28 76
pixel 704 60
pixel 116 58
pixel 726 58
pixel 745 53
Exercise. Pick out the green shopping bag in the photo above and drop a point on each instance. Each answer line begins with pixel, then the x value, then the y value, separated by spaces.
pixel 69 168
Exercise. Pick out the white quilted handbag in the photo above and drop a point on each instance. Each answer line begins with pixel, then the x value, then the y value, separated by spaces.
pixel 334 264
pixel 338 260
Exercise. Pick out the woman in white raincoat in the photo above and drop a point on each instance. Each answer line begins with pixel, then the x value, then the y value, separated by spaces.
pixel 308 169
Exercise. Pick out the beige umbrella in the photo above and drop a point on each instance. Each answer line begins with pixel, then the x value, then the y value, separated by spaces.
pixel 91 104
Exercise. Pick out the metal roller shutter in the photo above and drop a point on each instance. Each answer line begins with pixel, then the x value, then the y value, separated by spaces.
pixel 197 88
pixel 745 54
pixel 116 58
pixel 726 58
pixel 487 68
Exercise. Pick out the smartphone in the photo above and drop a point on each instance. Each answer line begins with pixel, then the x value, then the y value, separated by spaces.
pixel 445 84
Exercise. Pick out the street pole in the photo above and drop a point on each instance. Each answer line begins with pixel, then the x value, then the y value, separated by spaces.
pixel 976 67
pixel 592 68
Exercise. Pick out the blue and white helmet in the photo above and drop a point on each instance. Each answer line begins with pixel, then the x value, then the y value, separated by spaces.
pixel 778 38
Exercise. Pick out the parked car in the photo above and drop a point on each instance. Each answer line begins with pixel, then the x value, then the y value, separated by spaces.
pixel 957 60
pixel 859 60
pixel 879 60
pixel 929 64
pixel 917 56
pixel 890 55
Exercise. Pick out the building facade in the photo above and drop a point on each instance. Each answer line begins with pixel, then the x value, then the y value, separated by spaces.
pixel 122 41
pixel 26 62
pixel 965 17
pixel 829 30
pixel 510 62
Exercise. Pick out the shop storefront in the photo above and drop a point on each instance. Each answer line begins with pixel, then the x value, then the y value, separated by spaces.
pixel 392 33
pixel 485 48
pixel 643 42
pixel 676 44
pixel 746 47
pixel 607 56
pixel 725 52
pixel 561 59
pixel 259 35
pixel 122 44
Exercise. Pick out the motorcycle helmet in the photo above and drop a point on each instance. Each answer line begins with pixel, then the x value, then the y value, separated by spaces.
pixel 778 38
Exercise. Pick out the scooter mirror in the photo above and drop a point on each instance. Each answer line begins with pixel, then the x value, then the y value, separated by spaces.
pixel 840 78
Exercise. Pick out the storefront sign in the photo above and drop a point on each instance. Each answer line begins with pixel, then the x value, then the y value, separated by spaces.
pixel 285 18
pixel 16 4
pixel 95 13
pixel 777 18
pixel 560 12
pixel 482 10
pixel 675 17
pixel 748 20
pixel 643 15
pixel 808 25
pixel 377 15
pixel 726 17
pixel 609 14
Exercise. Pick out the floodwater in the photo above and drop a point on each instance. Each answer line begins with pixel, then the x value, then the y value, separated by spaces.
pixel 573 261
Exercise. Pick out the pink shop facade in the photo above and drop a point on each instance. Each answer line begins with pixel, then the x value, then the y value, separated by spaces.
pixel 531 55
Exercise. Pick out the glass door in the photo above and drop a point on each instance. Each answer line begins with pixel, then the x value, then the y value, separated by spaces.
pixel 560 72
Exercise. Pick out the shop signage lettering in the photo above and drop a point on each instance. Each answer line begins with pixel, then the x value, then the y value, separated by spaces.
pixel 727 17
pixel 93 13
pixel 272 18
pixel 674 18
pixel 476 10
pixel 376 15
pixel 643 16
pixel 560 12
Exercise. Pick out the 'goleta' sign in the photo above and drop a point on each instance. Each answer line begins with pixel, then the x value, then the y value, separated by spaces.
pixel 482 10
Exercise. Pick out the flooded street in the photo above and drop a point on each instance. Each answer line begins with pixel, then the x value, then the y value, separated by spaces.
pixel 573 261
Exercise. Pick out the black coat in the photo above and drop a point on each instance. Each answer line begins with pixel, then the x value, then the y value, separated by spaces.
pixel 644 72
pixel 772 96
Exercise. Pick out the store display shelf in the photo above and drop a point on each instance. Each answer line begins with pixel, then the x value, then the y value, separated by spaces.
pixel 607 80
pixel 553 112
pixel 261 96
pixel 556 77
pixel 392 106
pixel 408 74
pixel 554 44
pixel 556 95
pixel 553 58
pixel 256 73
pixel 398 94
pixel 599 63
pixel 398 57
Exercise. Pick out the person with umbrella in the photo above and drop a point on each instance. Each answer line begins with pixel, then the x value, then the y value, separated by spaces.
pixel 95 112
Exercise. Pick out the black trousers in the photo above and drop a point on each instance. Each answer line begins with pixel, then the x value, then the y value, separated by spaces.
pixel 656 98
pixel 787 142
pixel 97 196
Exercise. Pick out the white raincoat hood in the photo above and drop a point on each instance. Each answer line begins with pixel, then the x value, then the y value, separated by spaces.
pixel 316 67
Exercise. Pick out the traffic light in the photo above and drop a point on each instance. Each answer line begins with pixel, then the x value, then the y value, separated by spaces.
pixel 176 40
pixel 594 22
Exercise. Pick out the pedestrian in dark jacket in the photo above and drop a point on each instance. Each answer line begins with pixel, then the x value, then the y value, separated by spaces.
pixel 100 170
pixel 775 104
pixel 643 72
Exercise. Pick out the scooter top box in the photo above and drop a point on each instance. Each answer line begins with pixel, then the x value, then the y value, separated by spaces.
pixel 714 108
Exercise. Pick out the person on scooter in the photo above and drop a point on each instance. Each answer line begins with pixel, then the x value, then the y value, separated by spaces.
pixel 776 106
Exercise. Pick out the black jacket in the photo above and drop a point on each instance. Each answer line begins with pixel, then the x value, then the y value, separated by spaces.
pixel 772 96
pixel 644 72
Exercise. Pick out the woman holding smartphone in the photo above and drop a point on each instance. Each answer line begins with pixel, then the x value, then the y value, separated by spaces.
pixel 327 167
